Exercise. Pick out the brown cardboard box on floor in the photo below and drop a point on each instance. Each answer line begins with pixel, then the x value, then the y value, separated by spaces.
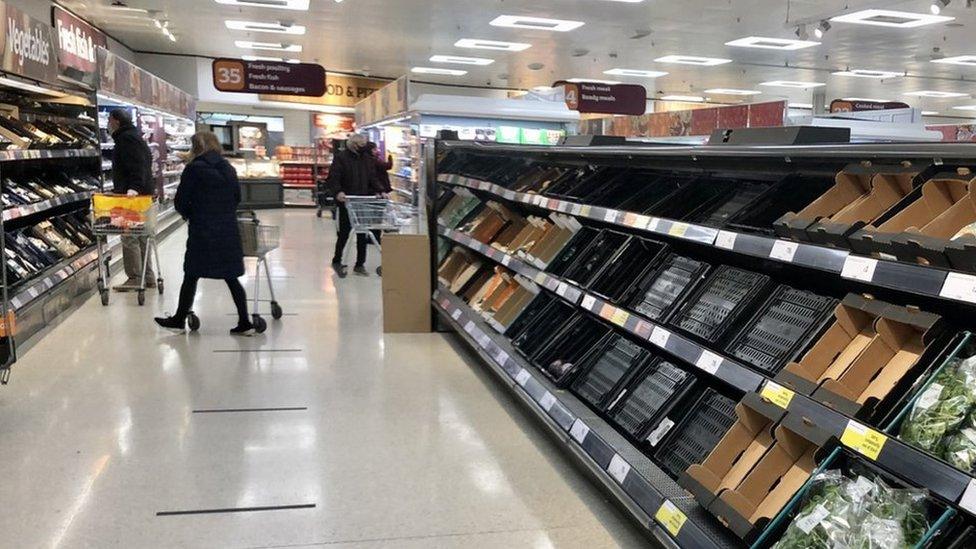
pixel 406 283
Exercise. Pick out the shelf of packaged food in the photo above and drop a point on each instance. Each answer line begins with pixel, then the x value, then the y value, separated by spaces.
pixel 931 282
pixel 901 459
pixel 106 165
pixel 15 212
pixel 13 155
pixel 50 278
pixel 653 498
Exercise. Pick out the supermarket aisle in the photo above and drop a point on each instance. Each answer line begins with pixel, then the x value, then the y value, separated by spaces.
pixel 395 440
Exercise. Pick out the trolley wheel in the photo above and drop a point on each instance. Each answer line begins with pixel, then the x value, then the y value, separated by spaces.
pixel 101 285
pixel 276 312
pixel 104 296
pixel 318 213
pixel 260 325
pixel 379 271
pixel 142 297
pixel 193 322
pixel 159 285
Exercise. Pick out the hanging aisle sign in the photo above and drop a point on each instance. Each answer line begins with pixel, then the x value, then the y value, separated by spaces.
pixel 591 97
pixel 268 77
pixel 78 44
pixel 28 46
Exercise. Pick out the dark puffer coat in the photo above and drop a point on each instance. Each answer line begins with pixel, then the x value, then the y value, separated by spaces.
pixel 207 198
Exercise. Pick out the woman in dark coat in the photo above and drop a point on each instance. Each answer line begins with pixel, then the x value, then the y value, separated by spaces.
pixel 207 198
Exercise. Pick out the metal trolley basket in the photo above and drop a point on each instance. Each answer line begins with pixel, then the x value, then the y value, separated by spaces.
pixel 369 215
pixel 126 216
pixel 258 240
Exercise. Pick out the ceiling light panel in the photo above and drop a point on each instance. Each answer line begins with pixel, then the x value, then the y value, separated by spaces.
pixel 808 106
pixel 792 84
pixel 261 58
pixel 891 18
pixel 301 5
pixel 693 60
pixel 443 72
pixel 256 26
pixel 732 91
pixel 635 72
pixel 957 60
pixel 477 43
pixel 930 113
pixel 272 46
pixel 593 81
pixel 535 23
pixel 762 42
pixel 862 73
pixel 685 98
pixel 937 94
pixel 966 108
pixel 457 60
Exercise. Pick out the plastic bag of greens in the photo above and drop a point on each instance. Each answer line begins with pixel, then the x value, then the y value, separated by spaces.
pixel 941 407
pixel 894 518
pixel 825 519
pixel 959 449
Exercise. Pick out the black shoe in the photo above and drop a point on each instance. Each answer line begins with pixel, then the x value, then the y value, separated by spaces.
pixel 243 330
pixel 341 270
pixel 360 270
pixel 172 323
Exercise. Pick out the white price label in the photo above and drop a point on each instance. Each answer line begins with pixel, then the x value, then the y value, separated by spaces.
pixel 709 361
pixel 456 314
pixel 809 522
pixel 660 337
pixel 784 250
pixel 547 402
pixel 469 327
pixel 618 468
pixel 576 209
pixel 642 222
pixel 578 431
pixel 959 286
pixel 610 216
pixel 501 357
pixel 859 268
pixel 653 223
pixel 523 377
pixel 968 501
pixel 725 240
pixel 506 260
pixel 588 302
pixel 662 429
pixel 562 289
pixel 484 340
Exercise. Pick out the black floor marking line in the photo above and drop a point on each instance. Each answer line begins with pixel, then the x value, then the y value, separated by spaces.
pixel 236 510
pixel 257 350
pixel 235 410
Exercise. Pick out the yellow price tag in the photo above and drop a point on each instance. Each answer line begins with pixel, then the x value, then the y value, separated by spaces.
pixel 777 394
pixel 671 518
pixel 585 211
pixel 540 277
pixel 620 317
pixel 863 440
pixel 678 229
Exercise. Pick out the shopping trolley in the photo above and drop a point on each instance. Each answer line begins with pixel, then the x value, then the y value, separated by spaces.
pixel 369 215
pixel 125 216
pixel 258 240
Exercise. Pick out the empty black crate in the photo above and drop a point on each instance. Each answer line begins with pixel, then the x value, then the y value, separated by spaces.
pixel 719 302
pixel 574 249
pixel 575 185
pixel 607 367
pixel 663 290
pixel 563 350
pixel 740 195
pixel 689 199
pixel 648 398
pixel 655 188
pixel 783 326
pixel 535 326
pixel 596 258
pixel 792 194
pixel 634 259
pixel 697 434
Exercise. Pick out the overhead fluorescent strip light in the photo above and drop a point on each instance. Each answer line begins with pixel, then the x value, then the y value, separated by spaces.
pixel 937 94
pixel 957 60
pixel 792 84
pixel 685 98
pixel 732 91
pixel 301 5
pixel 444 72
pixel 272 46
pixel 808 106
pixel 592 81
pixel 891 18
pixel 254 26
pixel 461 60
pixel 966 108
pixel 491 45
pixel 762 42
pixel 862 73
pixel 536 23
pixel 635 72
pixel 693 60
pixel 261 58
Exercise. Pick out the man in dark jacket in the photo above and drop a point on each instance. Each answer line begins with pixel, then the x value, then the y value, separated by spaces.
pixel 131 175
pixel 353 173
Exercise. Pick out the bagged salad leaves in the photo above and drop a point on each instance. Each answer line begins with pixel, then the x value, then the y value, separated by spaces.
pixel 941 408
pixel 860 513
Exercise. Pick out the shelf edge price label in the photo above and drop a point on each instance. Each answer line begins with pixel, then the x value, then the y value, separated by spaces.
pixel 540 277
pixel 576 209
pixel 547 401
pixel 784 250
pixel 679 229
pixel 585 211
pixel 588 302
pixel 777 394
pixel 456 314
pixel 562 289
pixel 968 499
pixel 523 377
pixel 864 440
pixel 618 468
pixel 725 240
pixel 670 517
pixel 501 357
pixel 610 216
pixel 959 286
pixel 660 337
pixel 578 431
pixel 653 223
pixel 859 268
pixel 620 317
pixel 709 361
pixel 642 221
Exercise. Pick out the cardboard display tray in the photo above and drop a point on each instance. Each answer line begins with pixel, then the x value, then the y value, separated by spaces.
pixel 697 433
pixel 727 295
pixel 663 290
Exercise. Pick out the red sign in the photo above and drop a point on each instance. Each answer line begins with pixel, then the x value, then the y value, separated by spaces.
pixel 239 76
pixel 28 45
pixel 78 43
pixel 590 97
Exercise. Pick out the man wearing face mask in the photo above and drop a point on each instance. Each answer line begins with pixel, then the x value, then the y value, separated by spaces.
pixel 353 173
